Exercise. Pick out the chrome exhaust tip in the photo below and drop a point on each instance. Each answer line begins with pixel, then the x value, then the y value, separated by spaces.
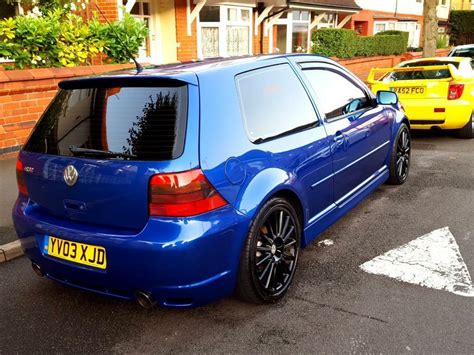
pixel 37 269
pixel 145 300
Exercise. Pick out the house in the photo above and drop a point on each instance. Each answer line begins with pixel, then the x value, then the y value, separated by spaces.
pixel 404 15
pixel 182 30
pixel 462 4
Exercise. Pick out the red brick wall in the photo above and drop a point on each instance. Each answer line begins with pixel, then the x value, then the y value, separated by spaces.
pixel 361 66
pixel 108 7
pixel 24 95
pixel 187 45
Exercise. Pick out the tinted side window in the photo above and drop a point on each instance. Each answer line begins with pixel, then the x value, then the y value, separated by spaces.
pixel 273 102
pixel 465 52
pixel 337 95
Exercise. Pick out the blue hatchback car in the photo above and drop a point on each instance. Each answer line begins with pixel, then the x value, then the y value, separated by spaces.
pixel 183 184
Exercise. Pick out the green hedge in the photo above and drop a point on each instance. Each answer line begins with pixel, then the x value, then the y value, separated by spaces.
pixel 344 43
pixel 339 43
pixel 405 34
pixel 60 38
pixel 462 26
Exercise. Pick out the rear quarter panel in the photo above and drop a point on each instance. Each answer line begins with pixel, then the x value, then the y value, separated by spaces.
pixel 246 174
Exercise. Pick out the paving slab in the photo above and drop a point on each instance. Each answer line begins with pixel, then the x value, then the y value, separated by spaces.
pixel 8 191
pixel 7 235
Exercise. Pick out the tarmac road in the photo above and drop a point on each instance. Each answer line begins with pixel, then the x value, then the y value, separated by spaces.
pixel 333 306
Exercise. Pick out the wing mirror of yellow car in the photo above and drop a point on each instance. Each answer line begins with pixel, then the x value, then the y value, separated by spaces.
pixel 387 98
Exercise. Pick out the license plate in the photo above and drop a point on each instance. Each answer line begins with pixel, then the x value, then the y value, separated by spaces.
pixel 85 254
pixel 409 90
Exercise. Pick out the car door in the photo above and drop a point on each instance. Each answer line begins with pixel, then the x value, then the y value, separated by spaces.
pixel 280 119
pixel 358 130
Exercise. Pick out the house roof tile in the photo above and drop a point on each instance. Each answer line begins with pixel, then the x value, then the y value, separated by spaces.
pixel 336 4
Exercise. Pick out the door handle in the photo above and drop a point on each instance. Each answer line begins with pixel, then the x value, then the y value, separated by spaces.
pixel 339 139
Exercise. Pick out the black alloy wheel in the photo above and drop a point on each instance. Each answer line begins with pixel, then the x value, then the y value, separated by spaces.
pixel 401 156
pixel 270 256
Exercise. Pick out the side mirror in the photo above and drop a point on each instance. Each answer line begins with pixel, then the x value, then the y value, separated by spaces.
pixel 387 98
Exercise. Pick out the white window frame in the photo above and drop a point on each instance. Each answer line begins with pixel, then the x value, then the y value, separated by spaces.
pixel 326 22
pixel 141 16
pixel 222 26
pixel 385 23
pixel 289 21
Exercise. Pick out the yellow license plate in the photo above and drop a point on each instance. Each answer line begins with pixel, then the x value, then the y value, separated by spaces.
pixel 85 254
pixel 409 90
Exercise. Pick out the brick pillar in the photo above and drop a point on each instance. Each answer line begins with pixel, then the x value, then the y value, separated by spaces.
pixel 110 8
pixel 256 37
pixel 186 45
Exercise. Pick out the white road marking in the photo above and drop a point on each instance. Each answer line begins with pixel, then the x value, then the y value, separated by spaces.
pixel 325 243
pixel 432 260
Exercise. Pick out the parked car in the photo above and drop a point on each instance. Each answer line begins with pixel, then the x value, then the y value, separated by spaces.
pixel 435 92
pixel 182 184
pixel 466 50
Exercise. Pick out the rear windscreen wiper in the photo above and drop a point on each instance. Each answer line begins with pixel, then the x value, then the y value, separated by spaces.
pixel 86 152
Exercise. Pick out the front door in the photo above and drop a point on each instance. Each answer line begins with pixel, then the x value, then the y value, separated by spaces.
pixel 291 33
pixel 359 132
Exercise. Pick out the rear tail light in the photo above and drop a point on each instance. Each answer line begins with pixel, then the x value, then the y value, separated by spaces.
pixel 183 194
pixel 455 91
pixel 20 178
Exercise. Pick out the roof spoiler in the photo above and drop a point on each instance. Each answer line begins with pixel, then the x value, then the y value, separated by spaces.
pixel 381 72
pixel 126 81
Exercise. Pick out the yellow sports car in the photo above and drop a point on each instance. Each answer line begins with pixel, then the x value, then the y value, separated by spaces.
pixel 434 92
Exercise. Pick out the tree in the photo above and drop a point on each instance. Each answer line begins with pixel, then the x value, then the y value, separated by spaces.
pixel 430 28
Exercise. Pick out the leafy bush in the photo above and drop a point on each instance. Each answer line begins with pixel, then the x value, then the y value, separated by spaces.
pixel 35 40
pixel 442 41
pixel 404 34
pixel 121 37
pixel 462 26
pixel 344 43
pixel 341 43
pixel 76 42
pixel 7 34
pixel 61 38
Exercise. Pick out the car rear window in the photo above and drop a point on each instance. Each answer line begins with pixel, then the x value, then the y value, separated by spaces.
pixel 424 74
pixel 463 52
pixel 137 123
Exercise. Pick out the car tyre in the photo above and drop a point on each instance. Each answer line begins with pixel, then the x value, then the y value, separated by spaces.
pixel 400 156
pixel 467 131
pixel 270 253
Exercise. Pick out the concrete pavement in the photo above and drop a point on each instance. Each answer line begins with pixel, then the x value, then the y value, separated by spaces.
pixel 8 191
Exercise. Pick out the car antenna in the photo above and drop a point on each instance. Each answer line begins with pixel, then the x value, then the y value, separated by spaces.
pixel 138 66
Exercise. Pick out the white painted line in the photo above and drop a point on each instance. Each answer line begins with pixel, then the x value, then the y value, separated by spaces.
pixel 325 243
pixel 433 260
pixel 10 251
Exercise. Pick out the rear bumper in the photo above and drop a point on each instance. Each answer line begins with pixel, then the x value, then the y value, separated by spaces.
pixel 181 262
pixel 422 115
